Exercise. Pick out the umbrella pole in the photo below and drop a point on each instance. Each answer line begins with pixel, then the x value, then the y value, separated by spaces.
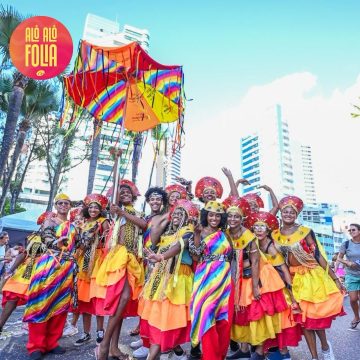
pixel 117 167
pixel 117 164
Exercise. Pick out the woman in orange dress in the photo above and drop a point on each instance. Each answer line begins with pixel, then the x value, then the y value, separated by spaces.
pixel 262 223
pixel 90 256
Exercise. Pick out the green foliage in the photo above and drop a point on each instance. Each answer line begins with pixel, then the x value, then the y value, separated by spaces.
pixel 6 211
pixel 9 20
pixel 356 114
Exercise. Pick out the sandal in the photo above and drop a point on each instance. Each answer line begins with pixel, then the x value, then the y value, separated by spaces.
pixel 354 324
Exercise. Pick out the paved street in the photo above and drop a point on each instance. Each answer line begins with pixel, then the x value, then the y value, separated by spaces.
pixel 346 343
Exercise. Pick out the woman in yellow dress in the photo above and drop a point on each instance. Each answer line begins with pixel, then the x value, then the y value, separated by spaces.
pixel 315 286
pixel 164 304
pixel 90 256
pixel 120 277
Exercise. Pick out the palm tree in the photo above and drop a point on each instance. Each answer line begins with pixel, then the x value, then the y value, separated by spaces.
pixel 23 129
pixel 9 20
pixel 40 99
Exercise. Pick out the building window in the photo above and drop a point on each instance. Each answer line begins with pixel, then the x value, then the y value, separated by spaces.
pixel 250 161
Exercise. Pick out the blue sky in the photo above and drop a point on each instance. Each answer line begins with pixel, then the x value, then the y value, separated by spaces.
pixel 228 46
pixel 241 55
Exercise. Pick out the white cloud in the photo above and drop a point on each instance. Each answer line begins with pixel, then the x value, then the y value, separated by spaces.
pixel 324 122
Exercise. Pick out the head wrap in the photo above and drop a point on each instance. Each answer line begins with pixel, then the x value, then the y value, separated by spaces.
pixel 131 185
pixel 252 197
pixel 191 209
pixel 44 216
pixel 74 213
pixel 208 182
pixel 156 191
pixel 176 188
pixel 99 199
pixel 293 201
pixel 134 190
pixel 263 217
pixel 215 207
pixel 238 204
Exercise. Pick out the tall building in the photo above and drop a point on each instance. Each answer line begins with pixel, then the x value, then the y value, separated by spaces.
pixel 266 156
pixel 104 32
pixel 319 217
pixel 168 164
pixel 96 28
pixel 304 173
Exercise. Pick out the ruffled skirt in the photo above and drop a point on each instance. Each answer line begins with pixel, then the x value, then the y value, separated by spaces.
pixel 165 315
pixel 117 267
pixel 318 296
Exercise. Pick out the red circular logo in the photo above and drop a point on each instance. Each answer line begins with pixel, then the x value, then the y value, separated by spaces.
pixel 41 47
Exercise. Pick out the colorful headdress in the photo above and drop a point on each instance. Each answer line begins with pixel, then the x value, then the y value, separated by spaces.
pixel 177 188
pixel 238 204
pixel 252 197
pixel 131 185
pixel 190 208
pixel 215 207
pixel 44 216
pixel 208 182
pixel 134 190
pixel 61 197
pixel 293 201
pixel 99 199
pixel 74 213
pixel 263 217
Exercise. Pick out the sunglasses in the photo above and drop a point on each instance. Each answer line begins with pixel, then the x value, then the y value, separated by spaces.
pixel 260 227
pixel 63 203
pixel 352 230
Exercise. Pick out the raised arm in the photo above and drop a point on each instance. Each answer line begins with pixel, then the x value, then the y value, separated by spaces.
pixel 274 200
pixel 233 187
pixel 255 263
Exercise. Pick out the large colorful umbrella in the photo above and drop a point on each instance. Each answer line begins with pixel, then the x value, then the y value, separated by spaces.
pixel 125 86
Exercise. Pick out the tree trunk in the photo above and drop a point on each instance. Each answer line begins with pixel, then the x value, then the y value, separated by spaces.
pixel 19 145
pixel 58 170
pixel 93 159
pixel 12 116
pixel 15 192
pixel 138 139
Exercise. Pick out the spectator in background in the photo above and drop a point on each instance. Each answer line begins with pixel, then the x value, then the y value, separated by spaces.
pixel 12 254
pixel 4 241
pixel 351 248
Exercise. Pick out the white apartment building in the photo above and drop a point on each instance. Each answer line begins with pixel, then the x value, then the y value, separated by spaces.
pixel 266 157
